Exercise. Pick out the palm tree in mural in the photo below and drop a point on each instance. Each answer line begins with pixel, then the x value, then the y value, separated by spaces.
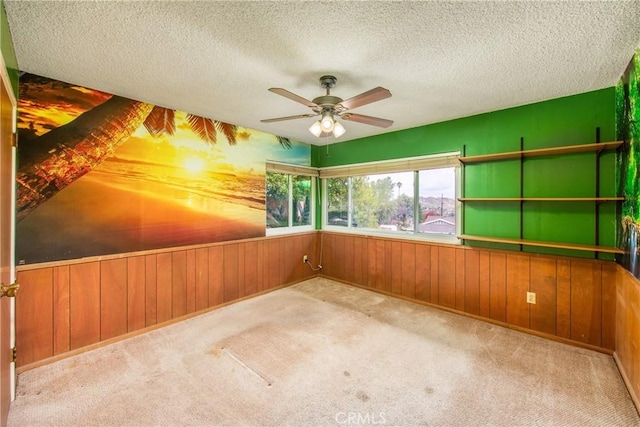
pixel 59 157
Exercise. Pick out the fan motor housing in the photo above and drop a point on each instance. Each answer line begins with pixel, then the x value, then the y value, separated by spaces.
pixel 327 101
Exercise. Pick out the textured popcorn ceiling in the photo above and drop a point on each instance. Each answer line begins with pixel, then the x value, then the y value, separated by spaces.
pixel 440 60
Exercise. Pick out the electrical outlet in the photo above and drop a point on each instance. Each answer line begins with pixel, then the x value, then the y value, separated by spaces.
pixel 531 297
pixel 305 259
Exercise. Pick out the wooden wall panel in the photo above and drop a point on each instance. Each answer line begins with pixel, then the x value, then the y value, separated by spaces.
pixel 359 258
pixel 261 266
pixel 423 272
pixel 586 302
pixel 84 304
pixel 113 298
pixel 230 273
pixel 304 246
pixel 241 282
pixel 288 262
pixel 251 267
pixel 498 286
pixel 517 288
pixel 408 269
pixel 178 284
pixel 274 259
pixel 136 295
pixel 151 290
pixel 295 266
pixel 435 272
pixel 369 262
pixel 460 278
pixel 34 315
pixel 396 267
pixel 542 315
pixel 216 275
pixel 472 282
pixel 338 256
pixel 191 281
pixel 61 338
pixel 610 279
pixel 381 265
pixel 164 290
pixel 627 329
pixel 388 265
pixel 563 303
pixel 348 259
pixel 484 263
pixel 447 276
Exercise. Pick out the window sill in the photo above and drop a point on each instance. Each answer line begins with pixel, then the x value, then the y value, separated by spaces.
pixel 289 230
pixel 422 237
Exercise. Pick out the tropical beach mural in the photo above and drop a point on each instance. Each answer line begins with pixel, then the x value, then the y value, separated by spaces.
pixel 628 129
pixel 102 174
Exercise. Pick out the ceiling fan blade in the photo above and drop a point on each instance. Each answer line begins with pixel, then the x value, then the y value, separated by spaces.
pixel 293 96
pixel 367 120
pixel 279 119
pixel 373 95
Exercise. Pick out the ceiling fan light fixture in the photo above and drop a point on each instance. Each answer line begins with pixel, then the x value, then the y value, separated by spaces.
pixel 327 122
pixel 328 106
pixel 316 129
pixel 338 129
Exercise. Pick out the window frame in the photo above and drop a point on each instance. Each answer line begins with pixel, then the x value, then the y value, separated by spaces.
pixel 293 170
pixel 411 164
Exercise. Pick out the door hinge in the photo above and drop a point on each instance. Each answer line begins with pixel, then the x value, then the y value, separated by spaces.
pixel 14 139
pixel 14 354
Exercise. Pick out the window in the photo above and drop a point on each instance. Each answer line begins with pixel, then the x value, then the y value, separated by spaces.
pixel 338 201
pixel 419 201
pixel 289 198
pixel 438 205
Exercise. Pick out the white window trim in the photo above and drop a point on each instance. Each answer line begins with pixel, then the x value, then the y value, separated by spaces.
pixel 407 164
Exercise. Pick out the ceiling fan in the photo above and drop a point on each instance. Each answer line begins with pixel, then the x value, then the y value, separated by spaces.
pixel 328 106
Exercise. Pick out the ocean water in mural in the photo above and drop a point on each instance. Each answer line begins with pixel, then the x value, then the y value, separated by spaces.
pixel 101 174
pixel 628 123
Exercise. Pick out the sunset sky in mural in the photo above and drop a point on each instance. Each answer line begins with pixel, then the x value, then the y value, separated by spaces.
pixel 55 103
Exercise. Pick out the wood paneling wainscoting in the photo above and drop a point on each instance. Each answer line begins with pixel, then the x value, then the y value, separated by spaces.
pixel 576 298
pixel 66 306
pixel 627 352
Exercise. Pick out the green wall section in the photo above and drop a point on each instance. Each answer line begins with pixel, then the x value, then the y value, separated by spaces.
pixel 8 54
pixel 564 121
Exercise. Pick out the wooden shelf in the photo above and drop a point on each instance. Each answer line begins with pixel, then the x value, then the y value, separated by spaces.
pixel 557 245
pixel 554 151
pixel 540 199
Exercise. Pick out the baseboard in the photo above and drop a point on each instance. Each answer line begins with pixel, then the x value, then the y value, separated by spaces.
pixel 627 382
pixel 484 319
pixel 144 330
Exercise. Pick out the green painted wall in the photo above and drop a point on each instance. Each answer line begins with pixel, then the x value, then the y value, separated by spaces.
pixel 6 48
pixel 564 121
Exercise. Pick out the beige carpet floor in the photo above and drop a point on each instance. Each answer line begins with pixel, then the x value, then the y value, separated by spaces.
pixel 321 353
